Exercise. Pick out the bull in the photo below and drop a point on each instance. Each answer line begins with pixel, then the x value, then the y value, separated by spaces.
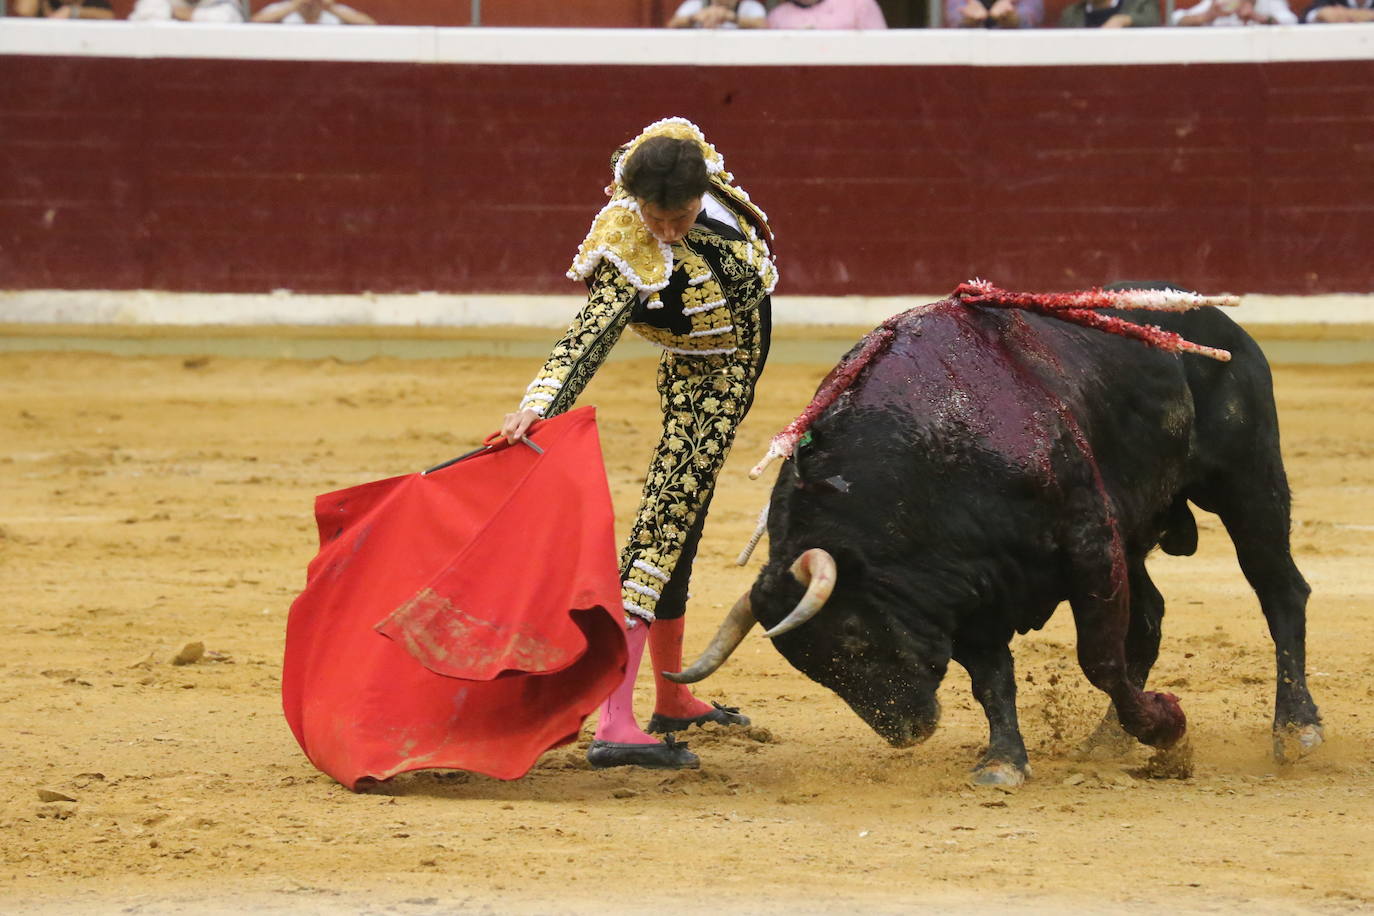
pixel 975 462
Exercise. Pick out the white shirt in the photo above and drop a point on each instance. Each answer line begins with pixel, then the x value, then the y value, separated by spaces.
pixel 1277 9
pixel 716 210
pixel 747 9
pixel 1349 4
pixel 205 11
pixel 326 17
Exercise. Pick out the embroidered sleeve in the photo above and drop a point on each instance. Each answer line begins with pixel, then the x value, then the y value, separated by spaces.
pixel 582 350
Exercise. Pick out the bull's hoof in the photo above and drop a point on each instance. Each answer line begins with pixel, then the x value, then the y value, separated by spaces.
pixel 1162 723
pixel 1174 762
pixel 1294 742
pixel 998 774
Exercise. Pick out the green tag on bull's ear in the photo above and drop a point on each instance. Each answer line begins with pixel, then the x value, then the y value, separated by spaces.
pixel 805 439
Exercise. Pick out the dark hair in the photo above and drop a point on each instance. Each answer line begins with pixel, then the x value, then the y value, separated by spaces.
pixel 666 172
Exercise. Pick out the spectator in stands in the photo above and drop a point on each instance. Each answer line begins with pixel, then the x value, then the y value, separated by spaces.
pixel 63 9
pixel 312 12
pixel 1341 11
pixel 827 14
pixel 1236 12
pixel 994 14
pixel 720 14
pixel 1110 14
pixel 188 10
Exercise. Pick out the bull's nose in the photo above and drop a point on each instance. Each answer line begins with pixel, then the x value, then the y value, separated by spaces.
pixel 909 734
pixel 909 728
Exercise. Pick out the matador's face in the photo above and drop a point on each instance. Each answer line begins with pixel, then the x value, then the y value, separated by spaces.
pixel 669 224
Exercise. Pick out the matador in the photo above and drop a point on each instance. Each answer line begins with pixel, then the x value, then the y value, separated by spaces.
pixel 681 255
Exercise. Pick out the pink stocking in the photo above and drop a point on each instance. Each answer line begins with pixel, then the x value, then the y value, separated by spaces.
pixel 617 720
pixel 665 648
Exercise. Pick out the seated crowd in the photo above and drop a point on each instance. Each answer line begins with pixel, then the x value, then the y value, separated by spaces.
pixel 773 14
pixel 295 12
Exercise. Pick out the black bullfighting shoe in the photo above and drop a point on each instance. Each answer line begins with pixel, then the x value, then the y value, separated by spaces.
pixel 721 715
pixel 670 754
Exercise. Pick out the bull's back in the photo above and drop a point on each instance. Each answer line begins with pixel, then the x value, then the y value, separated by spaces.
pixel 1032 410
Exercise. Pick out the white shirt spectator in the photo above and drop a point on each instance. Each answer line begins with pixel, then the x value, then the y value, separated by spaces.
pixel 1340 11
pixel 1277 10
pixel 326 18
pixel 203 11
pixel 747 9
pixel 276 12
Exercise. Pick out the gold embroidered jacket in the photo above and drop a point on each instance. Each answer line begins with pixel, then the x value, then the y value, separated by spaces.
pixel 687 297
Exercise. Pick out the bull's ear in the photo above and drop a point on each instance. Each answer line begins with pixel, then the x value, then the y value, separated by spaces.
pixel 804 444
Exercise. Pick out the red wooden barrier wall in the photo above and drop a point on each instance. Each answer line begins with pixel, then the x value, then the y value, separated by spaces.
pixel 345 176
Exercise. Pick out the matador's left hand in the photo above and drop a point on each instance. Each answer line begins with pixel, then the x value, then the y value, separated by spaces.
pixel 517 424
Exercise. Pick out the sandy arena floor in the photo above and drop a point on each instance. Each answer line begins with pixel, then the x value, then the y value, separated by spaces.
pixel 153 502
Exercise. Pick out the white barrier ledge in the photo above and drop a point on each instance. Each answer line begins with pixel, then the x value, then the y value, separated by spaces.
pixel 149 308
pixel 641 47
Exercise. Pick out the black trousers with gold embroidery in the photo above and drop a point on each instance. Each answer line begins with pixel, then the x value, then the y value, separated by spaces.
pixel 704 399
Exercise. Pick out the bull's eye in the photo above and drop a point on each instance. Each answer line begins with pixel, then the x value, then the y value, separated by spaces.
pixel 853 639
pixel 854 645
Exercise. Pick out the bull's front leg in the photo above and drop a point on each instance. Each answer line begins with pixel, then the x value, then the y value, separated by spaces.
pixel 1142 649
pixel 993 677
pixel 1101 611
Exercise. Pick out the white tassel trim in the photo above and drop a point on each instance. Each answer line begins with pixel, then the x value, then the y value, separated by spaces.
pixel 700 279
pixel 645 566
pixel 704 308
pixel 539 396
pixel 766 266
pixel 536 407
pixel 769 268
pixel 641 613
pixel 709 331
pixel 642 589
pixel 723 351
pixel 546 382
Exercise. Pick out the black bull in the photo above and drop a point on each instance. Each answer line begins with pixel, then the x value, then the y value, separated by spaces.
pixel 987 465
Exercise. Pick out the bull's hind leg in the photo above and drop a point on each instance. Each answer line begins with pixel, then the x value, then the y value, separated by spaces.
pixel 1257 521
pixel 993 678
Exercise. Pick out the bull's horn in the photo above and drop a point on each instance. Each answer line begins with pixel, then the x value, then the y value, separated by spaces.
pixel 733 629
pixel 816 570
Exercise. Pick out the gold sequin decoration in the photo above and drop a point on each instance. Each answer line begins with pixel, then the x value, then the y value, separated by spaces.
pixel 619 234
